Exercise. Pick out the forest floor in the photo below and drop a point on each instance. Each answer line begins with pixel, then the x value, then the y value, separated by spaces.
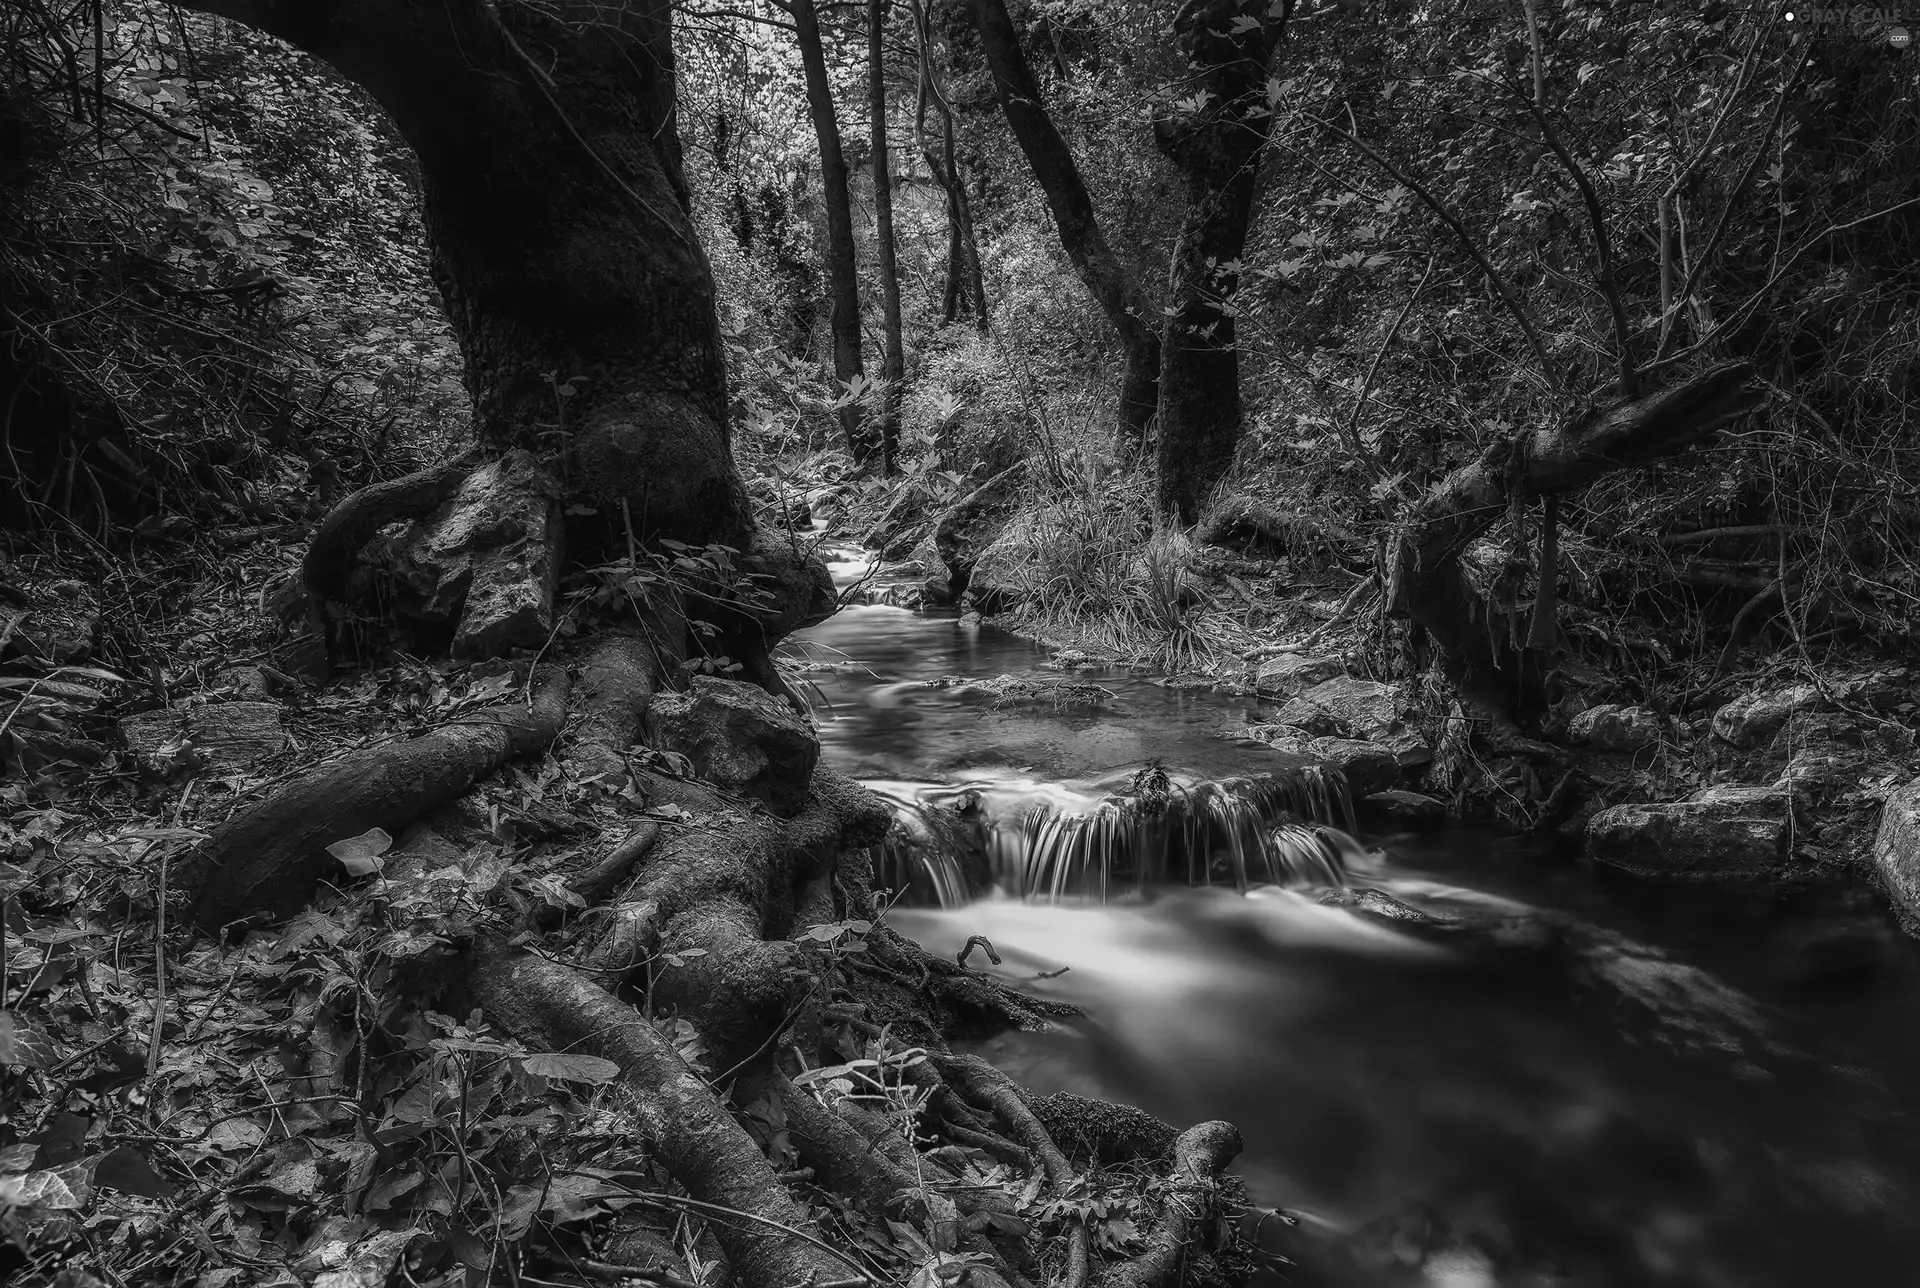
pixel 180 1110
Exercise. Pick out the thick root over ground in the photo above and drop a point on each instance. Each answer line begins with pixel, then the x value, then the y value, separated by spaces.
pixel 695 907
pixel 269 859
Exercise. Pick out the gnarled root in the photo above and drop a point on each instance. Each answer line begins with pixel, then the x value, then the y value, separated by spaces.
pixel 712 893
pixel 268 859
pixel 680 1120
pixel 334 552
pixel 1199 1156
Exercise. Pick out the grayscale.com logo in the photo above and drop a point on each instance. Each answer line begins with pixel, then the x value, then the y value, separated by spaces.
pixel 1859 18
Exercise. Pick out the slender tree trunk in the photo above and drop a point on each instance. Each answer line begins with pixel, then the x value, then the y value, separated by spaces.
pixel 973 280
pixel 894 363
pixel 843 283
pixel 557 217
pixel 1217 147
pixel 950 292
pixel 965 285
pixel 1072 206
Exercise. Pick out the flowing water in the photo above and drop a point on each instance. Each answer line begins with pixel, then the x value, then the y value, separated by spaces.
pixel 1456 1061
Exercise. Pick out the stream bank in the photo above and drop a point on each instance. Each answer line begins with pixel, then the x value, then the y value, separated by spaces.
pixel 1463 1060
pixel 1752 770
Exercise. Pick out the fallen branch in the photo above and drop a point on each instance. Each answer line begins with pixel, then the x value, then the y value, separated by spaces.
pixel 1427 583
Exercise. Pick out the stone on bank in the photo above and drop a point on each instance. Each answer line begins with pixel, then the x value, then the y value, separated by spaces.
pixel 1721 833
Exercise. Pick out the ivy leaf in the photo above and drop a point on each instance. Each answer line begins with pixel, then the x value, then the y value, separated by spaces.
pixel 38 1190
pixel 23 1045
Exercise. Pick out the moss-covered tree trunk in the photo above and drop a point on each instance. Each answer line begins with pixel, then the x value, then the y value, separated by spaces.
pixel 556 210
pixel 1214 134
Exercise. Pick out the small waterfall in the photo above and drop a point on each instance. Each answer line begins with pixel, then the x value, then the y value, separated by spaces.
pixel 950 844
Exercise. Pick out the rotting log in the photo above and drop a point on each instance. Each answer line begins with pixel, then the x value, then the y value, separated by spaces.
pixel 1427 583
pixel 268 859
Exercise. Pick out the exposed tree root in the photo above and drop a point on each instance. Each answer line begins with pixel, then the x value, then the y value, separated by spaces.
pixel 707 893
pixel 842 1158
pixel 268 859
pixel 716 891
pixel 616 688
pixel 1199 1156
pixel 681 1121
pixel 993 1088
pixel 333 556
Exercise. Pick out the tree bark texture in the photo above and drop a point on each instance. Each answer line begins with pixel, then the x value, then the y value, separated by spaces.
pixel 894 362
pixel 843 282
pixel 557 215
pixel 1086 245
pixel 1427 583
pixel 965 287
pixel 1215 137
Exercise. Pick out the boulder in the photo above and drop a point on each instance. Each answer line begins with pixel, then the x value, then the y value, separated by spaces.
pixel 1612 727
pixel 1376 903
pixel 1001 573
pixel 1755 718
pixel 969 525
pixel 220 734
pixel 739 737
pixel 790 588
pixel 1721 833
pixel 1287 675
pixel 1366 765
pixel 1367 710
pixel 487 562
pixel 1896 854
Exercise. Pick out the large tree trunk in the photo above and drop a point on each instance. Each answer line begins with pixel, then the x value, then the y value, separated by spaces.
pixel 1428 584
pixel 1086 245
pixel 843 282
pixel 894 362
pixel 1217 147
pixel 556 211
pixel 693 897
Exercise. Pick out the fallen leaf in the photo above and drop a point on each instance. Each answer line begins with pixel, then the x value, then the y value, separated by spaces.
pixel 571 1068
pixel 360 855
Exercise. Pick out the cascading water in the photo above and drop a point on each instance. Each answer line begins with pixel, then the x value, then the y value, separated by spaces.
pixel 1471 1066
pixel 950 843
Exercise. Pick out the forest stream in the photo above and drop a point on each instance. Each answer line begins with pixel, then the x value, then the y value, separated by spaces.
pixel 1555 1080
